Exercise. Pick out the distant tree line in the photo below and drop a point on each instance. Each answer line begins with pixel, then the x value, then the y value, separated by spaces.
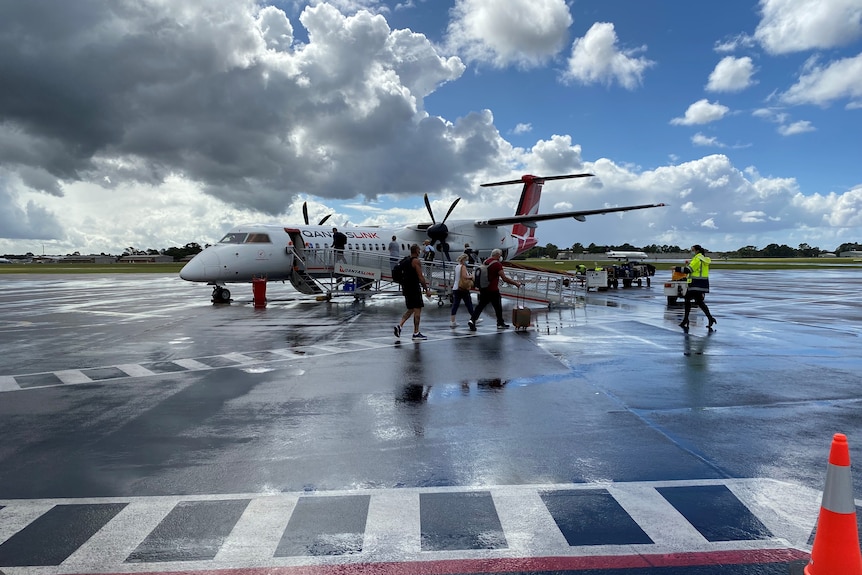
pixel 549 251
pixel 178 253
pixel 770 251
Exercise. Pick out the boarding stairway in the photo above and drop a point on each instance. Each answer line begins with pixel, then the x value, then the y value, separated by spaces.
pixel 365 273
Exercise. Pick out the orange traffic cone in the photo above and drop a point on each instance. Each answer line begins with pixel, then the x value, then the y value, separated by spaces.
pixel 836 543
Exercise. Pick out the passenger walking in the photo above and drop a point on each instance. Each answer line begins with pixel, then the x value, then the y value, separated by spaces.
pixel 491 294
pixel 461 287
pixel 443 247
pixel 339 240
pixel 394 253
pixel 471 257
pixel 428 252
pixel 697 272
pixel 412 286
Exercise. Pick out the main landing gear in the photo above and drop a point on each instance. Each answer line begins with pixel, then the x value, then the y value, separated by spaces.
pixel 221 294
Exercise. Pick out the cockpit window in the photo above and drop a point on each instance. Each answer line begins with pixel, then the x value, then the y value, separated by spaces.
pixel 233 238
pixel 258 239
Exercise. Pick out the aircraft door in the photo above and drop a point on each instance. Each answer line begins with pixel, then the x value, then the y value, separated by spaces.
pixel 296 247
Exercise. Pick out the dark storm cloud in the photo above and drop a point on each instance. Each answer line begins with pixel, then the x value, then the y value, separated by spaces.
pixel 27 222
pixel 122 91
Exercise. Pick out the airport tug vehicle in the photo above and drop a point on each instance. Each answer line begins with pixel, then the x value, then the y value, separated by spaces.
pixel 676 287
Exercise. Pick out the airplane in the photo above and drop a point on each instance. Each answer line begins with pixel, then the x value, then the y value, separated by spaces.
pixel 615 255
pixel 290 252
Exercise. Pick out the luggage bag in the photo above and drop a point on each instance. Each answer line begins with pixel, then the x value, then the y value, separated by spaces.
pixel 521 315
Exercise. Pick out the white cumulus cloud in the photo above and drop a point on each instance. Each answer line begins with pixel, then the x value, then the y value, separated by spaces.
pixel 524 33
pixel 823 84
pixel 797 25
pixel 596 59
pixel 701 112
pixel 731 75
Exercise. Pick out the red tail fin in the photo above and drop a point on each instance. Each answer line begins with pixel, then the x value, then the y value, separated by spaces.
pixel 531 194
pixel 529 206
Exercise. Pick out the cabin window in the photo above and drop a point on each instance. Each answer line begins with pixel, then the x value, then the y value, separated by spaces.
pixel 364 247
pixel 233 238
pixel 350 246
pixel 258 239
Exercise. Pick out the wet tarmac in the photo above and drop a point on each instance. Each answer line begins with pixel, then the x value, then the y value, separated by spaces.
pixel 146 429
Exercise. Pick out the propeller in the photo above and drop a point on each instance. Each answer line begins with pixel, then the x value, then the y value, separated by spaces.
pixel 438 232
pixel 305 215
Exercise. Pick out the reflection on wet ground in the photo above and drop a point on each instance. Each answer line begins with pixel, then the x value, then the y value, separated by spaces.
pixel 140 389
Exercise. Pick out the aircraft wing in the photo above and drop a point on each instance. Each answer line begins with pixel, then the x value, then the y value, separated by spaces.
pixel 579 215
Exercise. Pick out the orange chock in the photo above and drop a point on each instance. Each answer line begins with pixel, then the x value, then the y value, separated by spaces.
pixel 836 543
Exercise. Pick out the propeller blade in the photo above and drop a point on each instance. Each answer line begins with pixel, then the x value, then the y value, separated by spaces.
pixel 452 207
pixel 305 212
pixel 323 221
pixel 430 212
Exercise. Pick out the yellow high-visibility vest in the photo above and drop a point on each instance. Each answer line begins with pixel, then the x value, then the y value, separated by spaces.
pixel 699 267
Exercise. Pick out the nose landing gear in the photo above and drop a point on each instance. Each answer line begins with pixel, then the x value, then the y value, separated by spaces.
pixel 221 294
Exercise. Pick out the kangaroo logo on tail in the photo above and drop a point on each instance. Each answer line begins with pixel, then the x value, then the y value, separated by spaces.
pixel 531 194
pixel 525 218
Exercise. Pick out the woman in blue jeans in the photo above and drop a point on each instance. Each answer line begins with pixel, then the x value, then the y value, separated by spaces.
pixel 460 293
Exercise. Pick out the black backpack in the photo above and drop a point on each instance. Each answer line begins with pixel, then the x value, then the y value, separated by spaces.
pixel 399 272
pixel 480 277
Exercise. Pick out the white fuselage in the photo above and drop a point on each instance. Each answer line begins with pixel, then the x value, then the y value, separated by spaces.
pixel 269 251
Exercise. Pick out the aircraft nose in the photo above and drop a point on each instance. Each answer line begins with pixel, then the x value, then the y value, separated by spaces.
pixel 203 267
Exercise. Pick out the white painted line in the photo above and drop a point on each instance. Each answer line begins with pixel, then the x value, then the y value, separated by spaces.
pixel 240 358
pixel 659 519
pixel 72 376
pixel 191 364
pixel 135 370
pixel 786 509
pixel 121 535
pixel 328 349
pixel 8 383
pixel 14 518
pixel 255 537
pixel 529 527
pixel 288 353
pixel 393 528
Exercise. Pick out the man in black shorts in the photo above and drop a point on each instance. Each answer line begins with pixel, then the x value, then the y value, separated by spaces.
pixel 412 286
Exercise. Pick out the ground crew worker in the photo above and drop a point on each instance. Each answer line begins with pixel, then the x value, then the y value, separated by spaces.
pixel 697 272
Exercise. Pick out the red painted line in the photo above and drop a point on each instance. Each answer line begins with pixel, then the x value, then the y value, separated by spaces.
pixel 517 565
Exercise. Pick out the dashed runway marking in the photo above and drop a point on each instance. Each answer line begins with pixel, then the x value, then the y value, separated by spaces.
pixel 119 372
pixel 607 524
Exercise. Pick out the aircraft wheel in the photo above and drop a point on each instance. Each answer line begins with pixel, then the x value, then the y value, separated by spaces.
pixel 671 300
pixel 440 302
pixel 222 295
pixel 647 282
pixel 639 283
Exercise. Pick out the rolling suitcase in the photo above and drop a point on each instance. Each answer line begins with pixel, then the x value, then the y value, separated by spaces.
pixel 521 315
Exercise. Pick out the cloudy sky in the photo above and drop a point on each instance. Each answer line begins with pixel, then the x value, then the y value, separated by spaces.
pixel 153 123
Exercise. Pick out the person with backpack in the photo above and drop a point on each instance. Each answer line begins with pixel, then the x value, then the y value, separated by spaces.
pixel 339 240
pixel 413 282
pixel 461 287
pixel 487 277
